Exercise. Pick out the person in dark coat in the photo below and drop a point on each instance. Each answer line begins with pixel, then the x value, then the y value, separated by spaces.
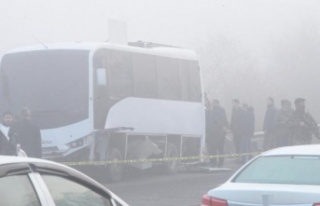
pixel 248 123
pixel 3 144
pixel 208 109
pixel 7 121
pixel 282 126
pixel 268 125
pixel 303 124
pixel 26 134
pixel 217 127
pixel 236 125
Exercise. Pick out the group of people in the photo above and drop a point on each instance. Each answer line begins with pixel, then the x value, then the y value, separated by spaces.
pixel 242 126
pixel 20 134
pixel 282 127
pixel 287 126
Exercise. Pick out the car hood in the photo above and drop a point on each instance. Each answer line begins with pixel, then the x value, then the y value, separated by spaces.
pixel 267 194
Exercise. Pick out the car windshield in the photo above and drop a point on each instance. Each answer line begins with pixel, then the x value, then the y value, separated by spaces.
pixel 302 170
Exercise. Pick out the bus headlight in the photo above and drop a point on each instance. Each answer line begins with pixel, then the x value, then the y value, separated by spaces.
pixel 80 142
pixel 75 144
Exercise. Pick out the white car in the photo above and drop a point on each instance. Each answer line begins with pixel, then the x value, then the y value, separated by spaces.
pixel 36 182
pixel 287 176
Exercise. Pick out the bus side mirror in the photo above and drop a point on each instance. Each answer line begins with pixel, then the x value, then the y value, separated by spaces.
pixel 101 76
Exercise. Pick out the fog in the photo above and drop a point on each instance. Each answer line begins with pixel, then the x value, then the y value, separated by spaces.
pixel 248 49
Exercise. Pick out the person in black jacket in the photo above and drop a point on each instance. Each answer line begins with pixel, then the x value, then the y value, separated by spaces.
pixel 217 127
pixel 282 124
pixel 7 121
pixel 303 124
pixel 26 134
pixel 3 144
pixel 268 125
pixel 236 125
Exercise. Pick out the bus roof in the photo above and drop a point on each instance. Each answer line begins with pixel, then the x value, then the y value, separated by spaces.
pixel 90 46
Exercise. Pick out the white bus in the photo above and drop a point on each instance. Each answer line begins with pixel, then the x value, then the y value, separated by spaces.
pixel 103 101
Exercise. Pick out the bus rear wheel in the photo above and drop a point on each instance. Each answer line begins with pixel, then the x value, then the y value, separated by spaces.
pixel 115 168
pixel 171 164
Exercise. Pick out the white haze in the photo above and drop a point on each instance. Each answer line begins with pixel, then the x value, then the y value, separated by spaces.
pixel 249 49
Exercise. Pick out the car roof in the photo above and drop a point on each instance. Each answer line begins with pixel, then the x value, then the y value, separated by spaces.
pixel 14 159
pixel 4 160
pixel 312 149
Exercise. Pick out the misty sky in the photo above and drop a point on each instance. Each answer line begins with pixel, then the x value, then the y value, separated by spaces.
pixel 258 28
pixel 184 23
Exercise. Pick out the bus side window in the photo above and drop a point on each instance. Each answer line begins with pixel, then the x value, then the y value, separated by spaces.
pixel 100 65
pixel 120 75
pixel 144 75
pixel 184 80
pixel 195 88
pixel 168 78
pixel 101 76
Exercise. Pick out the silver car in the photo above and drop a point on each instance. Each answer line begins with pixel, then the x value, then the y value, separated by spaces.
pixel 283 176
pixel 36 182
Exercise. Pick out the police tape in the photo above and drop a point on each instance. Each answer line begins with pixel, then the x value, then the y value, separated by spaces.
pixel 200 158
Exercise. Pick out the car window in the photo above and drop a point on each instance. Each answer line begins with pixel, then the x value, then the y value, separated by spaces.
pixel 17 191
pixel 282 170
pixel 69 193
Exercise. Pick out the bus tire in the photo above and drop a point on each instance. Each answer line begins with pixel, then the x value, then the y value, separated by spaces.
pixel 115 170
pixel 171 166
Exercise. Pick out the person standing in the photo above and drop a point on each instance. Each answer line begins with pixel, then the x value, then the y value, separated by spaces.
pixel 283 129
pixel 236 125
pixel 268 125
pixel 3 144
pixel 7 122
pixel 26 134
pixel 208 129
pixel 217 123
pixel 248 131
pixel 7 119
pixel 303 124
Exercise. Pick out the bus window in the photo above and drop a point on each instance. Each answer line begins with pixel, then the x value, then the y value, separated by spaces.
pixel 168 78
pixel 119 74
pixel 101 104
pixel 100 65
pixel 144 75
pixel 195 88
pixel 184 80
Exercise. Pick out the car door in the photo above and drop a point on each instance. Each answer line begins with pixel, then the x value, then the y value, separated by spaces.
pixel 17 186
pixel 68 187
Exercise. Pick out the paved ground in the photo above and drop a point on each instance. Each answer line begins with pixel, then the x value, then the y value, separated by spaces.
pixel 186 188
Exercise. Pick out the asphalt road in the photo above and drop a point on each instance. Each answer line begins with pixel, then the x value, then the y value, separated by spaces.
pixel 183 189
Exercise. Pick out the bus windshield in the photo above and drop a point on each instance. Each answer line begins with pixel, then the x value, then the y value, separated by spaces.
pixel 54 84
